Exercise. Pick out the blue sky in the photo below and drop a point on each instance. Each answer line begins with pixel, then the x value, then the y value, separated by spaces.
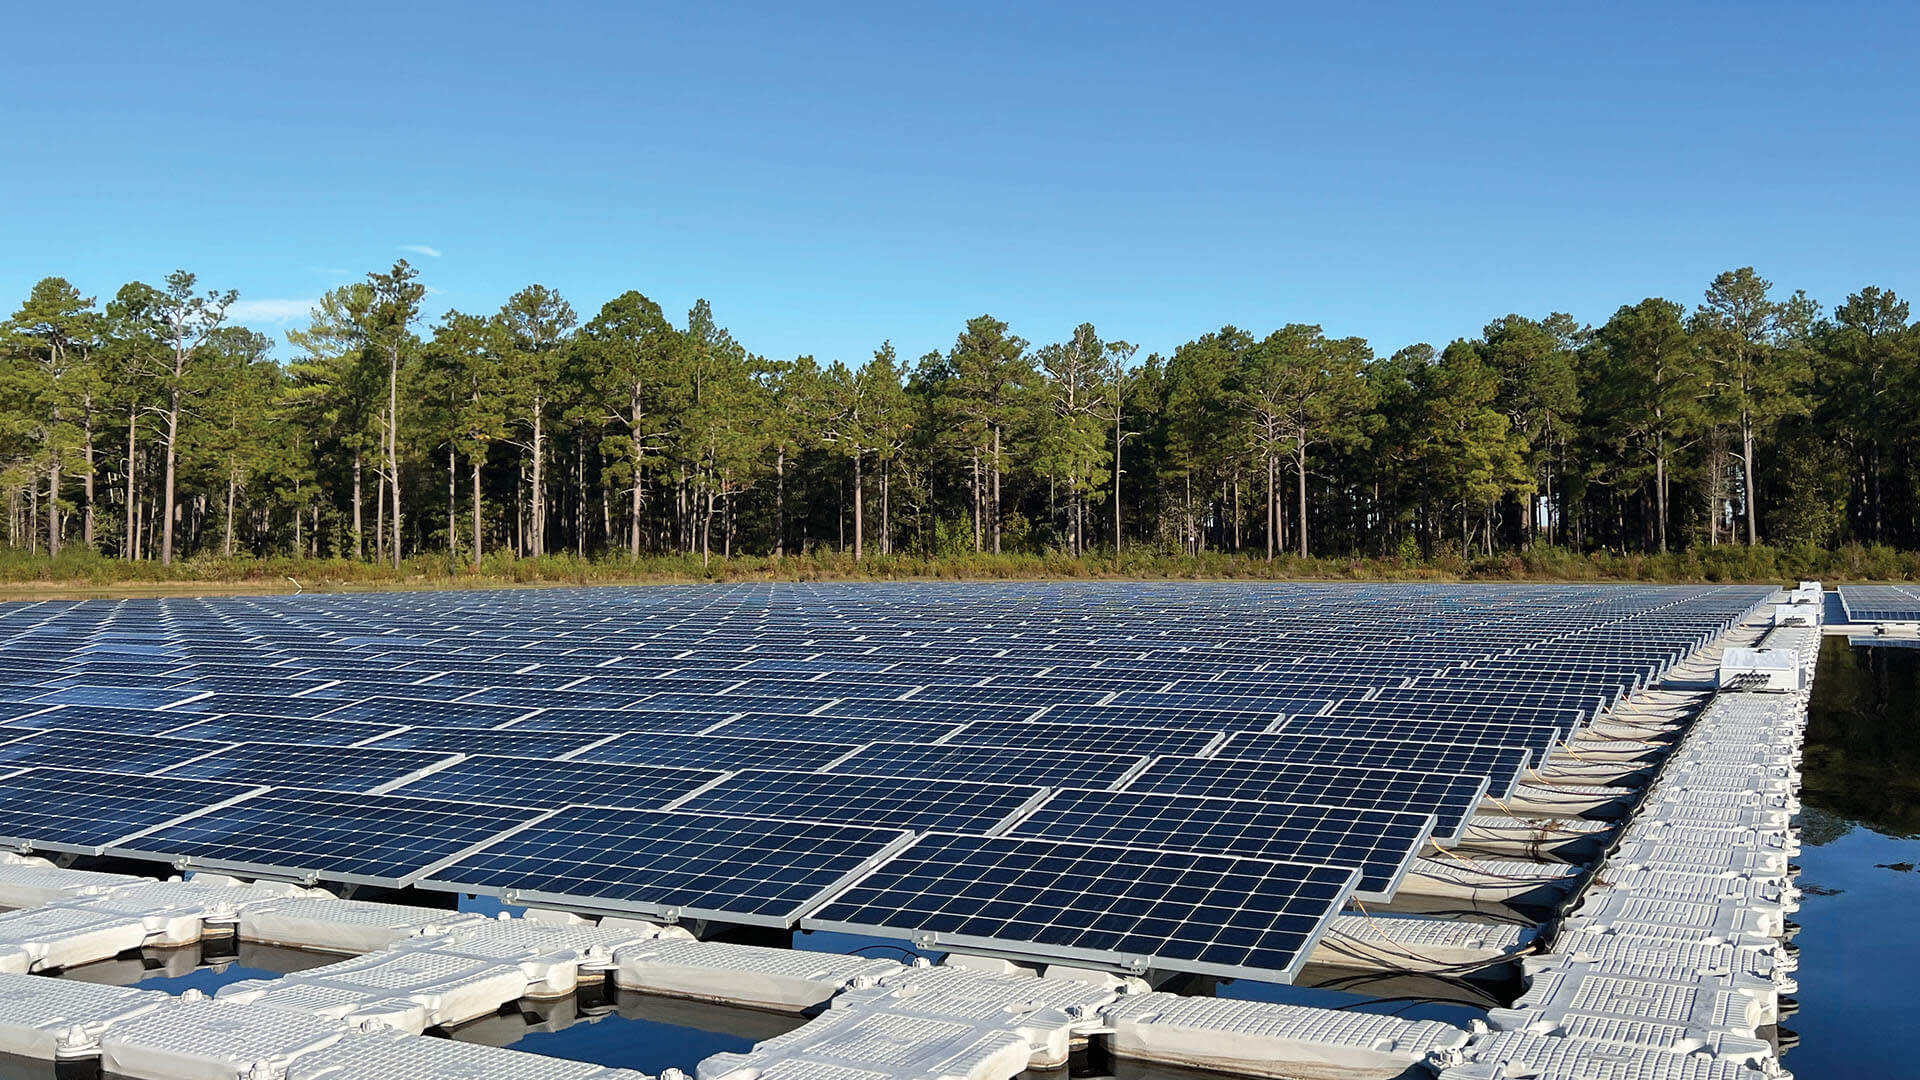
pixel 832 175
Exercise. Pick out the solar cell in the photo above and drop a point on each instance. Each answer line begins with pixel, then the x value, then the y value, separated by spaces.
pixel 832 728
pixel 614 721
pixel 242 727
pixel 1501 765
pixel 453 740
pixel 713 752
pixel 671 865
pixel 416 711
pixel 108 718
pixel 256 704
pixel 919 804
pixel 1080 738
pixel 104 751
pixel 1134 908
pixel 384 840
pixel 83 812
pixel 1381 844
pixel 524 781
pixel 1449 797
pixel 990 764
pixel 952 713
pixel 332 768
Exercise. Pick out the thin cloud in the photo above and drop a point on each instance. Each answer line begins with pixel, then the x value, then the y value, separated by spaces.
pixel 422 249
pixel 270 311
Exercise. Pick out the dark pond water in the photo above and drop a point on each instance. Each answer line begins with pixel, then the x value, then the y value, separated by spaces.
pixel 1860 942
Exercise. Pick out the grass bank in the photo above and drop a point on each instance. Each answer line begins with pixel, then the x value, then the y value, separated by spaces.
pixel 82 572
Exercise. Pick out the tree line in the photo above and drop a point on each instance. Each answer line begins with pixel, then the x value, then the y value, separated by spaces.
pixel 150 427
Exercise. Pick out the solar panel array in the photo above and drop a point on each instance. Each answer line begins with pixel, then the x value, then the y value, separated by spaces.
pixel 1880 603
pixel 1184 777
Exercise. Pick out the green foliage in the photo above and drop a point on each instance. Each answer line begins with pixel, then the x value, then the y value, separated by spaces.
pixel 1663 443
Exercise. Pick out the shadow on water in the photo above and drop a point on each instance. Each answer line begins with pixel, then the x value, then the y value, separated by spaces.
pixel 1859 944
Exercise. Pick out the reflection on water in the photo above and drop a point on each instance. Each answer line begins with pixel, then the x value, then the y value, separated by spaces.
pixel 608 1026
pixel 1859 944
pixel 206 966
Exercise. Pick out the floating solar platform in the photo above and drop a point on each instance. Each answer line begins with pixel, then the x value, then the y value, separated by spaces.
pixel 745 753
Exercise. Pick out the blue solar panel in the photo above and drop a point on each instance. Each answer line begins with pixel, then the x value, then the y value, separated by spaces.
pixel 990 765
pixel 1450 798
pixel 1381 844
pixel 83 812
pixel 382 840
pixel 919 804
pixel 672 865
pixel 1135 908
pixel 714 752
pixel 522 781
pixel 333 768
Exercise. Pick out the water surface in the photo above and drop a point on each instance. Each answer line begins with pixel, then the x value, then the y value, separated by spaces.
pixel 1859 942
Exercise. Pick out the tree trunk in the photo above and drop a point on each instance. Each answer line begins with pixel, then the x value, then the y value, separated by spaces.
pixel 53 509
pixel 886 506
pixel 226 544
pixel 1660 493
pixel 1273 504
pixel 359 523
pixel 453 507
pixel 1746 477
pixel 86 522
pixel 859 531
pixel 473 463
pixel 706 530
pixel 1300 476
pixel 393 443
pixel 779 503
pixel 996 489
pixel 977 511
pixel 380 508
pixel 133 459
pixel 537 529
pixel 166 513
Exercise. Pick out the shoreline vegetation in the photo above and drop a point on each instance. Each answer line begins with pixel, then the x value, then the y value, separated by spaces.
pixel 29 576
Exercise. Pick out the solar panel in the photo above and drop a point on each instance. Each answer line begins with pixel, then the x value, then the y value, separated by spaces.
pixel 240 727
pixel 104 751
pixel 1078 738
pixel 714 752
pixel 1540 738
pixel 614 721
pixel 1155 716
pixel 332 768
pixel 115 695
pixel 83 812
pixel 672 865
pixel 1449 797
pixel 1501 765
pixel 581 699
pixel 454 740
pixel 832 728
pixel 1381 844
pixel 922 805
pixel 1134 908
pixel 416 711
pixel 257 704
pixel 383 840
pixel 109 718
pixel 1451 712
pixel 990 765
pixel 951 713
pixel 523 781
